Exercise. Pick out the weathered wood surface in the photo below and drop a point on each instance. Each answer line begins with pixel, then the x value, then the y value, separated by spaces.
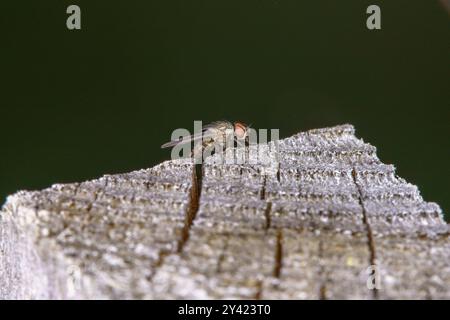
pixel 307 225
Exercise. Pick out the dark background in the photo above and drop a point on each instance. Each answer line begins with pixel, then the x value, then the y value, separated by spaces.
pixel 78 104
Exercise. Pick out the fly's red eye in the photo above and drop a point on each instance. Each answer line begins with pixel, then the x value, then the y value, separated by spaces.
pixel 240 129
pixel 241 125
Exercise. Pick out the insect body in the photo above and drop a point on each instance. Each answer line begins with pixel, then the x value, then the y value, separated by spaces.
pixel 214 136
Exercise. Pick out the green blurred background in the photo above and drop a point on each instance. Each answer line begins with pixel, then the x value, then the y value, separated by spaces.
pixel 78 104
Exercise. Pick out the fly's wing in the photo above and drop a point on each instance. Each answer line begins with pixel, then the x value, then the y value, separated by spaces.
pixel 218 125
pixel 208 131
pixel 188 139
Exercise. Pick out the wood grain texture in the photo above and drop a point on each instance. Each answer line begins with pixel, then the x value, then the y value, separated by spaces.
pixel 304 220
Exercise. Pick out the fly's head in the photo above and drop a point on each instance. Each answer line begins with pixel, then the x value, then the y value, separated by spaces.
pixel 240 130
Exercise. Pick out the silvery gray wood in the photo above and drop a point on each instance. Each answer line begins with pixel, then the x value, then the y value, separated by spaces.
pixel 306 224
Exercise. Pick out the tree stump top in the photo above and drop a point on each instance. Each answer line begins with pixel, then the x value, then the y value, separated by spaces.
pixel 323 219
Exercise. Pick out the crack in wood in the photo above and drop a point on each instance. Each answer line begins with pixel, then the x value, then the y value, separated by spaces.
pixel 263 189
pixel 322 275
pixel 191 212
pixel 222 255
pixel 268 209
pixel 161 256
pixel 194 203
pixel 278 174
pixel 267 212
pixel 259 289
pixel 278 254
pixel 370 240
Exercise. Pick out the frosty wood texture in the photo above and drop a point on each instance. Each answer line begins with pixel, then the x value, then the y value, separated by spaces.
pixel 306 224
